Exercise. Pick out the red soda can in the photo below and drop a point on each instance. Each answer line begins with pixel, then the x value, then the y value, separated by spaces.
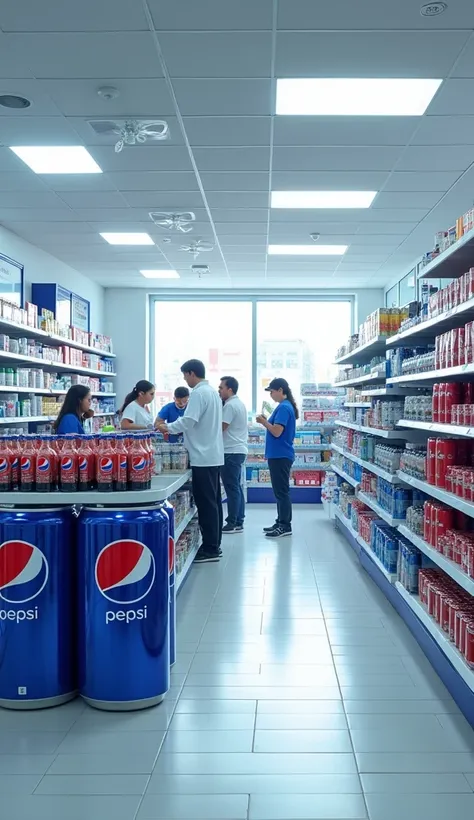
pixel 427 521
pixel 442 403
pixel 435 403
pixel 469 647
pixel 431 461
pixel 444 522
pixel 468 389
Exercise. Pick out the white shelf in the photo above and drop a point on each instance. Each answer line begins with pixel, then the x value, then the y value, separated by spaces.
pixel 347 524
pixel 373 431
pixel 438 493
pixel 358 404
pixel 448 648
pixel 181 576
pixel 36 333
pixel 372 468
pixel 27 419
pixel 366 379
pixel 184 523
pixel 372 503
pixel 365 352
pixel 69 368
pixel 436 427
pixel 452 262
pixel 427 330
pixel 387 392
pixel 46 391
pixel 162 487
pixel 301 467
pixel 344 475
pixel 459 373
pixel 448 566
pixel 103 413
pixel 267 484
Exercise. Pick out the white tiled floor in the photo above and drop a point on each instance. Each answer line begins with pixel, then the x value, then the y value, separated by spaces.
pixel 298 694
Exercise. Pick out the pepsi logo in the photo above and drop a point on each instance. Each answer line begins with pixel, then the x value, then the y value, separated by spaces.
pixel 106 464
pixel 138 463
pixel 43 464
pixel 66 463
pixel 24 571
pixel 25 463
pixel 170 555
pixel 15 463
pixel 123 462
pixel 82 463
pixel 125 571
pixel 4 465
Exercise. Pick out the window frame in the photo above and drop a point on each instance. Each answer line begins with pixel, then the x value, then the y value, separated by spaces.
pixel 194 297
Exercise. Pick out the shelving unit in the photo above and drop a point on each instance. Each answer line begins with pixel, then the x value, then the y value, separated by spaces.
pixel 435 427
pixel 438 493
pixel 373 431
pixel 344 475
pixel 448 566
pixel 367 465
pixel 426 331
pixel 384 515
pixel 451 374
pixel 367 378
pixel 20 358
pixel 12 328
pixel 46 391
pixel 452 262
pixel 364 353
pixel 360 546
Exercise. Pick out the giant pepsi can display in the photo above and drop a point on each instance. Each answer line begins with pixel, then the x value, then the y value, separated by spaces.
pixel 37 605
pixel 169 509
pixel 123 607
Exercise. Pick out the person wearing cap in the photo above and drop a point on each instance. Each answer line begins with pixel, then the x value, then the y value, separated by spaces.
pixel 280 453
pixel 174 410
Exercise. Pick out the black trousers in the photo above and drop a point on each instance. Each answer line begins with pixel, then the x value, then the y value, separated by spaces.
pixel 207 497
pixel 280 478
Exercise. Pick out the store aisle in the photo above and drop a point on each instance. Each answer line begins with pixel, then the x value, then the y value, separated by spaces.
pixel 298 694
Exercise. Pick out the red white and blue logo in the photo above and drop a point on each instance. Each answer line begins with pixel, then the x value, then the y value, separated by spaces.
pixel 4 465
pixel 15 463
pixel 106 464
pixel 25 463
pixel 138 463
pixel 123 462
pixel 66 464
pixel 24 571
pixel 43 464
pixel 125 571
pixel 82 463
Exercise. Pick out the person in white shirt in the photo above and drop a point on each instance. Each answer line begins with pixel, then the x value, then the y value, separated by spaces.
pixel 135 411
pixel 235 435
pixel 202 429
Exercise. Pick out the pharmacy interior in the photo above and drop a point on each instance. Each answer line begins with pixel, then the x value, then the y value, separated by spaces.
pixel 278 190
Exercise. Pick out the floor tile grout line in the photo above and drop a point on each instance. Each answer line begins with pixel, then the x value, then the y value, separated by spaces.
pixel 342 699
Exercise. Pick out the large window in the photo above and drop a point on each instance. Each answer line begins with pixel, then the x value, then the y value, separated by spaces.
pixel 298 340
pixel 254 340
pixel 218 333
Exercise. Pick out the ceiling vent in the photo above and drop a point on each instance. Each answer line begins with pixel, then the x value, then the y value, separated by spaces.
pixel 201 270
pixel 131 132
pixel 173 222
pixel 197 247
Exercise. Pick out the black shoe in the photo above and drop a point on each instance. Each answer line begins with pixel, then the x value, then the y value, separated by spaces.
pixel 205 557
pixel 239 527
pixel 229 528
pixel 219 552
pixel 270 529
pixel 278 532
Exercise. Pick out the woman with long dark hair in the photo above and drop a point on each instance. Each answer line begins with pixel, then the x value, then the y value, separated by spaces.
pixel 280 453
pixel 135 411
pixel 75 409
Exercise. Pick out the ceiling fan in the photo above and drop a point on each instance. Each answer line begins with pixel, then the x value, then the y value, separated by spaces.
pixel 197 247
pixel 174 222
pixel 132 132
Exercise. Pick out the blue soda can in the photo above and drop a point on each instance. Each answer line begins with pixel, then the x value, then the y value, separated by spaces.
pixel 123 558
pixel 37 606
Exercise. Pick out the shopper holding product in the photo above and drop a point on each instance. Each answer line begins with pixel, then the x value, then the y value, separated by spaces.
pixel 202 429
pixel 75 409
pixel 174 410
pixel 235 435
pixel 280 453
pixel 135 411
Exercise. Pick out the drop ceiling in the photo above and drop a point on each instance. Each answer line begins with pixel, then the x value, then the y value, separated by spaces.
pixel 209 67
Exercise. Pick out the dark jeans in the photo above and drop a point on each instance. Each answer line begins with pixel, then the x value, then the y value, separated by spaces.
pixel 207 497
pixel 230 473
pixel 280 478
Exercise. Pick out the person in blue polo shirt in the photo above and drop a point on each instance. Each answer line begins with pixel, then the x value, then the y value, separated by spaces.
pixel 280 453
pixel 174 410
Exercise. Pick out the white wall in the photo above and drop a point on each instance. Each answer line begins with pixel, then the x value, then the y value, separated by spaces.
pixel 127 321
pixel 42 267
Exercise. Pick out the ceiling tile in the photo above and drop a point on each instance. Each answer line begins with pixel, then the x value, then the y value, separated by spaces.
pixel 10 162
pixel 338 159
pixel 428 54
pixel 400 199
pixel 372 14
pixel 21 181
pixel 344 130
pixel 224 97
pixel 228 130
pixel 232 159
pixel 145 98
pixel 36 214
pixel 328 180
pixel 158 157
pixel 238 199
pixel 445 131
pixel 423 181
pixel 436 158
pixel 212 15
pixel 455 97
pixel 258 181
pixel 164 200
pixel 68 15
pixel 223 54
pixel 40 131
pixel 30 199
pixel 76 182
pixel 10 64
pixel 240 215
pixel 93 199
pixel 153 181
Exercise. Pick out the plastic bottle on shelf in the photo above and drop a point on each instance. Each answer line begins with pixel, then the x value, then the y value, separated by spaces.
pixel 68 467
pixel 27 464
pixel 13 445
pixel 121 464
pixel 105 465
pixel 5 466
pixel 46 461
pixel 86 463
pixel 138 465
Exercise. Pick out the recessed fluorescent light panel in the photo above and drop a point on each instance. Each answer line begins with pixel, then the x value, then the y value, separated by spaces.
pixel 306 250
pixel 57 159
pixel 160 274
pixel 322 199
pixel 355 97
pixel 127 238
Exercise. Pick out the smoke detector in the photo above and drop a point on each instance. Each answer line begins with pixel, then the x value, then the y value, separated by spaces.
pixel 197 247
pixel 433 9
pixel 108 92
pixel 131 132
pixel 173 222
pixel 201 270
pixel 314 236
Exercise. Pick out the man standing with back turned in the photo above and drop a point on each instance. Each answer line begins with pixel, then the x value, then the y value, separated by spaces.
pixel 235 434
pixel 202 429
